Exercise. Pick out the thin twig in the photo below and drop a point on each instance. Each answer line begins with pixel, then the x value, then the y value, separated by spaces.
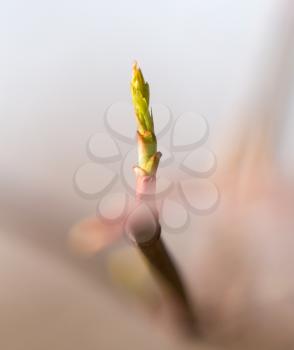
pixel 144 228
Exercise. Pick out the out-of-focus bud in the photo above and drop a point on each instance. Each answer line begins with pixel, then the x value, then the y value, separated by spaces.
pixel 91 235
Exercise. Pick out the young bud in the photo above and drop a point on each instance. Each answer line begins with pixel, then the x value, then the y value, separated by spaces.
pixel 148 156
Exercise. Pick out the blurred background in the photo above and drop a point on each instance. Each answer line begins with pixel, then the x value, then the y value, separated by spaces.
pixel 62 64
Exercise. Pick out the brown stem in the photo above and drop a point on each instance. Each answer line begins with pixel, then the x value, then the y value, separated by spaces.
pixel 147 236
pixel 163 265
